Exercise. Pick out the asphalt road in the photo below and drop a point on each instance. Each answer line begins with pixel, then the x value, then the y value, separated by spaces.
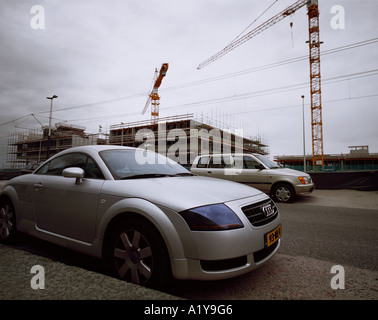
pixel 345 236
pixel 326 229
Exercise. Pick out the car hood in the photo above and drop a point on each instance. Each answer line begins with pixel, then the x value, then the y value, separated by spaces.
pixel 180 193
pixel 288 172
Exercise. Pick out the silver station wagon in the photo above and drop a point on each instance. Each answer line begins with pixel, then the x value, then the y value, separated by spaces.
pixel 148 217
pixel 255 170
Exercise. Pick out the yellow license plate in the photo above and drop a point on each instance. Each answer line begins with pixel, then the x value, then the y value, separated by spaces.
pixel 272 236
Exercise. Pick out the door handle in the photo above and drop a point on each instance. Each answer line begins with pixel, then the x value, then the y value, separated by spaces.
pixel 38 186
pixel 208 171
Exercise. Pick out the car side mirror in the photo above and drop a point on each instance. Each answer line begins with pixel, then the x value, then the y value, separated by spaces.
pixel 74 172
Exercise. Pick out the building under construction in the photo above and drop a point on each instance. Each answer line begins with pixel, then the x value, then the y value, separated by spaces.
pixel 31 146
pixel 182 138
pixel 179 137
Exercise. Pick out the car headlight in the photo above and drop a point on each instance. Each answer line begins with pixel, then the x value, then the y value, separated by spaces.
pixel 304 180
pixel 211 218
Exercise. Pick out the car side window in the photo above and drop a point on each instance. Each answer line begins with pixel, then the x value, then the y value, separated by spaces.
pixel 57 165
pixel 250 163
pixel 220 162
pixel 216 163
pixel 239 162
pixel 92 170
pixel 202 162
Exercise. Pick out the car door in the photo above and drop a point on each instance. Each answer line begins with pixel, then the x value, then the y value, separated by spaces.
pixel 251 174
pixel 200 167
pixel 63 207
pixel 220 166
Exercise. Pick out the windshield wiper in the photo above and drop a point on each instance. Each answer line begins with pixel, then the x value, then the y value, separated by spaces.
pixel 147 175
pixel 182 174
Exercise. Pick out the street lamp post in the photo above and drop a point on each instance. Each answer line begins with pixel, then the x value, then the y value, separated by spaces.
pixel 304 140
pixel 49 135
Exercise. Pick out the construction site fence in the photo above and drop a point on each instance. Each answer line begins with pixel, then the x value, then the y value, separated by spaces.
pixel 354 180
pixel 335 168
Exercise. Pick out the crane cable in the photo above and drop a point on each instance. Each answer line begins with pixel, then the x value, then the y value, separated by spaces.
pixel 204 81
pixel 239 35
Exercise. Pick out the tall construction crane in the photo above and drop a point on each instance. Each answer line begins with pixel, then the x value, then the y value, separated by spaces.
pixel 314 57
pixel 153 97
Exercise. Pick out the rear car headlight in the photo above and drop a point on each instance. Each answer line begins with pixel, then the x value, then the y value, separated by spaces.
pixel 211 218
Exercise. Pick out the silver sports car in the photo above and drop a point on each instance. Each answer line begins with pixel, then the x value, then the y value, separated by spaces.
pixel 147 216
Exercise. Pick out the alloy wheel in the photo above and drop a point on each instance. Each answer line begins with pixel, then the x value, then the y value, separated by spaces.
pixel 133 257
pixel 6 220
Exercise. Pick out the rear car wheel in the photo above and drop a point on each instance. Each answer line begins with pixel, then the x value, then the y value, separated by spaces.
pixel 8 232
pixel 137 254
pixel 283 193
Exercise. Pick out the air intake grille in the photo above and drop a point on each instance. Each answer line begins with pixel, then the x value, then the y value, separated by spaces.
pixel 261 213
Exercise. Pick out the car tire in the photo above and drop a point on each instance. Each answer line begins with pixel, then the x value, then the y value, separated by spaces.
pixel 136 253
pixel 8 231
pixel 283 193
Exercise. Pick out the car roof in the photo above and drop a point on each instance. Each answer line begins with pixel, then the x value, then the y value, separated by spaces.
pixel 226 154
pixel 97 148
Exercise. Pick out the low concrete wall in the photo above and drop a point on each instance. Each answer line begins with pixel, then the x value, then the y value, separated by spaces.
pixel 356 180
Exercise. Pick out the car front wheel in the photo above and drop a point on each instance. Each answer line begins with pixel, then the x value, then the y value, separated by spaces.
pixel 283 193
pixel 137 254
pixel 8 230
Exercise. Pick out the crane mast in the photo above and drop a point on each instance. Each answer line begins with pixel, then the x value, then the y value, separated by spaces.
pixel 315 85
pixel 314 58
pixel 154 97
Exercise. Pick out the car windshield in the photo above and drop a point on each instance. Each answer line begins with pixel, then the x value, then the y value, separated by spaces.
pixel 140 163
pixel 269 163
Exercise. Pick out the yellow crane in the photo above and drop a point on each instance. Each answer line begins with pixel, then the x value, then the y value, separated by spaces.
pixel 314 57
pixel 153 97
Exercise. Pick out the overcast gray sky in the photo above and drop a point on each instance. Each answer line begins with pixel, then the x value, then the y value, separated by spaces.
pixel 99 57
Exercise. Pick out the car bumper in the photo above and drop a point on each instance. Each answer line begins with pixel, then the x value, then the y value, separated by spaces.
pixel 228 253
pixel 193 269
pixel 304 188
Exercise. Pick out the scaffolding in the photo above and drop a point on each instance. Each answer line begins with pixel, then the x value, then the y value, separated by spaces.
pixel 184 134
pixel 30 146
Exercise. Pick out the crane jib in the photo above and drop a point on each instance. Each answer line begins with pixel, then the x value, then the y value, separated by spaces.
pixel 283 14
